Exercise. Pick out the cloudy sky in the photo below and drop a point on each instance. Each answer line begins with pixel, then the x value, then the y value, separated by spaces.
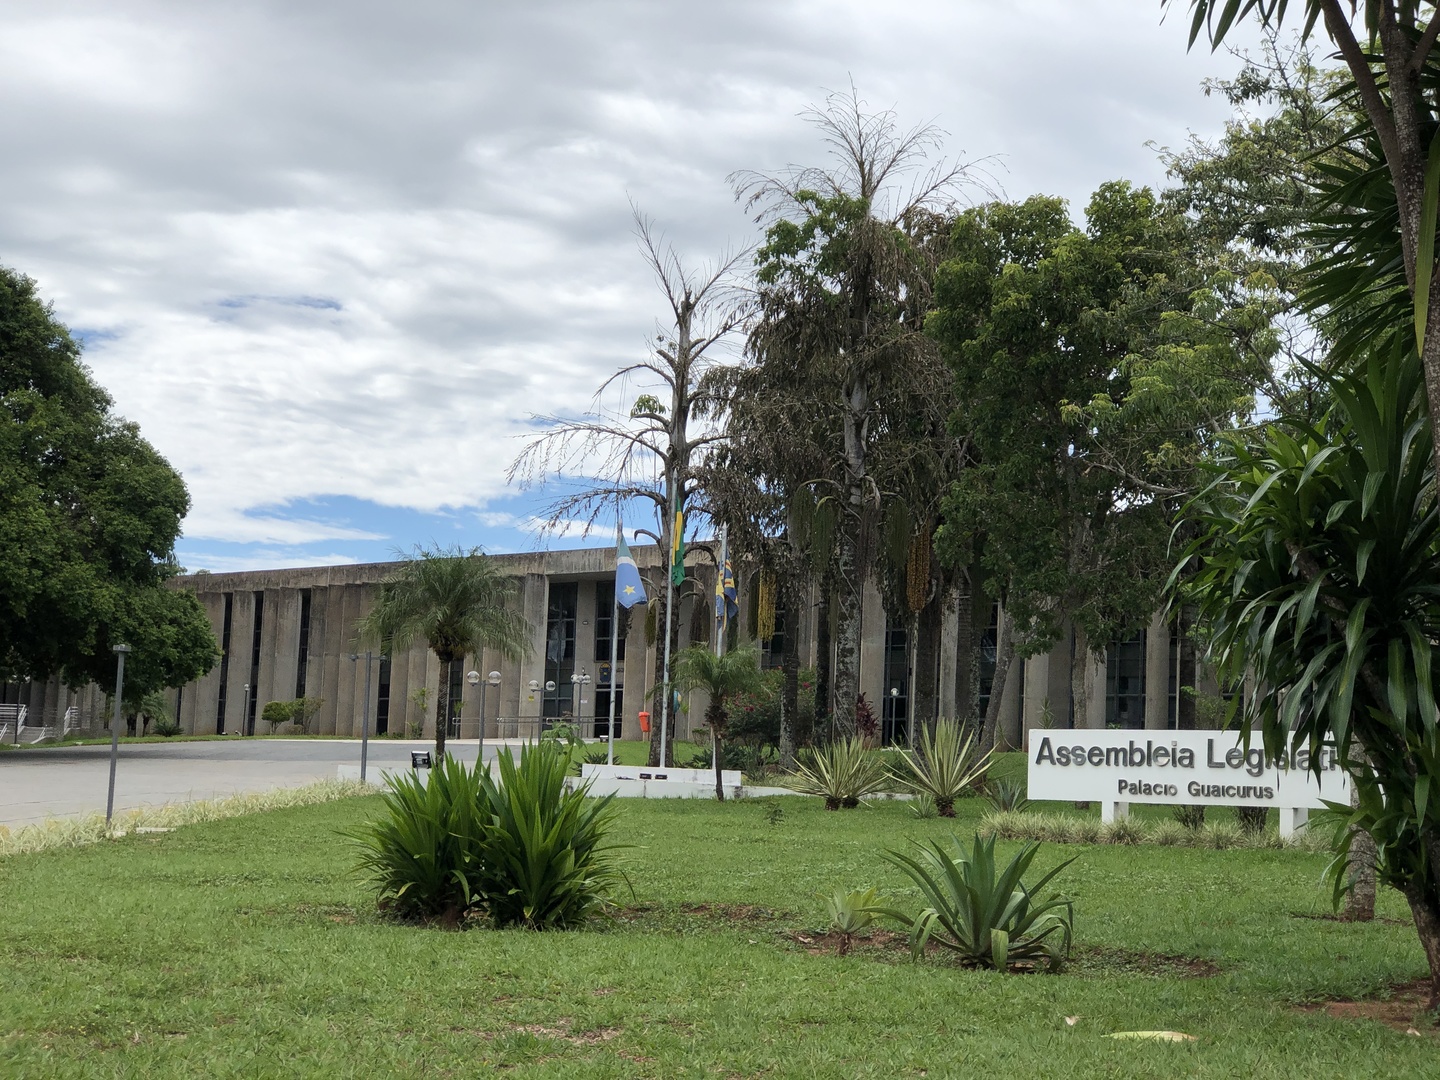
pixel 333 256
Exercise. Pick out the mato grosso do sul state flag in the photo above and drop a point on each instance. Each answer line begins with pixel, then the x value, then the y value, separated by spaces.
pixel 629 590
pixel 677 550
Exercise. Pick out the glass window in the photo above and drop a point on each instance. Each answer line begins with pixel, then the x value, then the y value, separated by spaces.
pixel 1125 682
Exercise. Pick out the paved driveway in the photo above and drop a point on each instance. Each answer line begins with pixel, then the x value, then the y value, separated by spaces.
pixel 59 782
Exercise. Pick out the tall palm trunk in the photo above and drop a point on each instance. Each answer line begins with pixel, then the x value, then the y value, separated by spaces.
pixel 658 703
pixel 790 693
pixel 823 658
pixel 716 717
pixel 442 706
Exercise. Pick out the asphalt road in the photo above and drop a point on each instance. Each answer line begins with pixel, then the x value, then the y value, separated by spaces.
pixel 70 780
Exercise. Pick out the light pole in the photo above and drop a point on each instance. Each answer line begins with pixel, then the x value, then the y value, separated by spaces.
pixel 534 689
pixel 581 681
pixel 365 715
pixel 245 728
pixel 120 653
pixel 895 705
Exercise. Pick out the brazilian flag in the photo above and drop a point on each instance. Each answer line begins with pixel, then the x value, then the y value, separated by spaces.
pixel 677 550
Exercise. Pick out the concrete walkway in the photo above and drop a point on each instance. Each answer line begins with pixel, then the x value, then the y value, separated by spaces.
pixel 72 780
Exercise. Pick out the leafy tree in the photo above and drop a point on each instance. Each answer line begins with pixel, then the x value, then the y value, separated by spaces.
pixel 723 677
pixel 1393 76
pixel 1315 573
pixel 843 280
pixel 1091 371
pixel 456 601
pixel 89 513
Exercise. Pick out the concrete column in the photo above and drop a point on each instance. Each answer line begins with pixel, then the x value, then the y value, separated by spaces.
pixel 1157 673
pixel 317 684
pixel 204 693
pixel 280 645
pixel 872 646
pixel 242 629
pixel 334 659
pixel 1037 692
pixel 949 654
pixel 534 607
pixel 1009 718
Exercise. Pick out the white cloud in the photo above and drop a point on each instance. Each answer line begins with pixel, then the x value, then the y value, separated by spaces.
pixel 347 249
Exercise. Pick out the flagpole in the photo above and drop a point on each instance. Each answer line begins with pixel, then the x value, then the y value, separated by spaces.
pixel 669 609
pixel 722 621
pixel 614 636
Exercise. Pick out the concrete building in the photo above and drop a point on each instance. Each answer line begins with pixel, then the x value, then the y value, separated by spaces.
pixel 286 634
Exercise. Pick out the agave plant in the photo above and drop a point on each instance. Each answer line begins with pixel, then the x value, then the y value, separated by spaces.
pixel 544 864
pixel 850 913
pixel 424 851
pixel 988 918
pixel 842 772
pixel 1007 796
pixel 945 766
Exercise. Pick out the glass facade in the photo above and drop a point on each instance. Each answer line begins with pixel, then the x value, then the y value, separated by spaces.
pixel 895 693
pixel 560 650
pixel 1125 682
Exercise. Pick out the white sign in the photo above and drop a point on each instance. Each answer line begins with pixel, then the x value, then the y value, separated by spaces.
pixel 1206 768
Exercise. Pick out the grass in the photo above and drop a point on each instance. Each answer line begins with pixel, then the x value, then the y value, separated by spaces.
pixel 245 947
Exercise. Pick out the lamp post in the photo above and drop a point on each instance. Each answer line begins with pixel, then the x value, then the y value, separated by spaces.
pixel 493 679
pixel 534 689
pixel 364 714
pixel 120 653
pixel 579 682
pixel 894 705
pixel 245 728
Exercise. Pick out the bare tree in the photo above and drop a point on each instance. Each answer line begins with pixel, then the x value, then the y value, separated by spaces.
pixel 648 450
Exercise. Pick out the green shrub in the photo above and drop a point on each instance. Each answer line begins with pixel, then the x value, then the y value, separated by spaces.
pixel 851 913
pixel 1122 830
pixel 424 852
pixel 1085 830
pixel 1191 817
pixel 1006 795
pixel 944 766
pixel 275 713
pixel 1170 834
pixel 1252 819
pixel 923 807
pixel 987 917
pixel 167 727
pixel 1220 835
pixel 842 773
pixel 545 863
pixel 1055 828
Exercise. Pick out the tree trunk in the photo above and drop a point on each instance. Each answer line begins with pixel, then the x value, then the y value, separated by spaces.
pixel 790 695
pixel 823 656
pixel 716 718
pixel 1360 899
pixel 1426 913
pixel 653 759
pixel 1004 656
pixel 923 696
pixel 848 595
pixel 1081 687
pixel 442 708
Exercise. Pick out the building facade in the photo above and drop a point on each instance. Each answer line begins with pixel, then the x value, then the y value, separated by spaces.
pixel 288 634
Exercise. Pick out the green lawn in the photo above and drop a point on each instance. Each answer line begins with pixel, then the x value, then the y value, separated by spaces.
pixel 246 948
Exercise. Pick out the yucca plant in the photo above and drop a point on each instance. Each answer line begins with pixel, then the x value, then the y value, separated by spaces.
pixel 1006 796
pixel 842 773
pixel 424 852
pixel 944 766
pixel 850 913
pixel 988 918
pixel 544 864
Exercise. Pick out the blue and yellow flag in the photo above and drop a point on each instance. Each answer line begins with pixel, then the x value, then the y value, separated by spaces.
pixel 677 550
pixel 629 590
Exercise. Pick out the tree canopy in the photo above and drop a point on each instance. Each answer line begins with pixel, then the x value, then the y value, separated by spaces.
pixel 89 515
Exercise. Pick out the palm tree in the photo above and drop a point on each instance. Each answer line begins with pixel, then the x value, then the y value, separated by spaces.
pixel 455 600
pixel 722 677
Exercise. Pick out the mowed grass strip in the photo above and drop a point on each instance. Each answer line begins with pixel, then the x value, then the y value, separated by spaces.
pixel 247 947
